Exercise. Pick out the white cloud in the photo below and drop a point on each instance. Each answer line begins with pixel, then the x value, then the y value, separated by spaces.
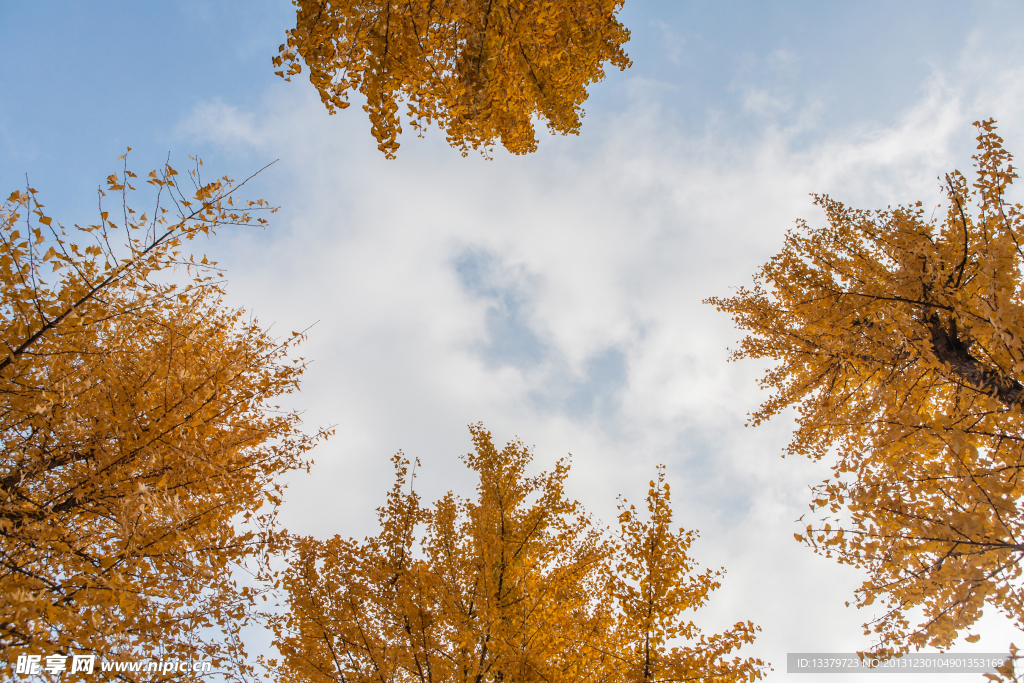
pixel 762 102
pixel 224 123
pixel 584 252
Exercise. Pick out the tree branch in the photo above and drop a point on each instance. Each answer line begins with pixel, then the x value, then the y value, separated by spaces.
pixel 950 349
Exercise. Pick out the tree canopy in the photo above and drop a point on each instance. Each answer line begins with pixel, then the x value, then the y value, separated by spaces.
pixel 139 450
pixel 483 70
pixel 654 583
pixel 899 339
pixel 514 585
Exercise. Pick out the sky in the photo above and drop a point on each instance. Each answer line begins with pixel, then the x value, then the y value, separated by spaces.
pixel 555 297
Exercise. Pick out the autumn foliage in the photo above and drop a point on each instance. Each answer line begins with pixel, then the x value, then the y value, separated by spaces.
pixel 481 69
pixel 653 585
pixel 514 585
pixel 139 451
pixel 900 340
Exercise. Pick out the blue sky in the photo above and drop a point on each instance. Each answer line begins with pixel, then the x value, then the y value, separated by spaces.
pixel 556 296
pixel 82 81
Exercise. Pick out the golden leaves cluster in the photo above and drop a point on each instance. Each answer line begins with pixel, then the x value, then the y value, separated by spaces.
pixel 899 339
pixel 514 585
pixel 139 451
pixel 653 584
pixel 483 70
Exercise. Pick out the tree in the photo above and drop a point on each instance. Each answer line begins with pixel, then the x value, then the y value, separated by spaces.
pixel 900 341
pixel 514 586
pixel 653 586
pixel 139 451
pixel 481 69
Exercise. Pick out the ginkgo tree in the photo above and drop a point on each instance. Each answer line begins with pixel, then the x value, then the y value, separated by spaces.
pixel 653 585
pixel 138 449
pixel 483 70
pixel 899 338
pixel 514 585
